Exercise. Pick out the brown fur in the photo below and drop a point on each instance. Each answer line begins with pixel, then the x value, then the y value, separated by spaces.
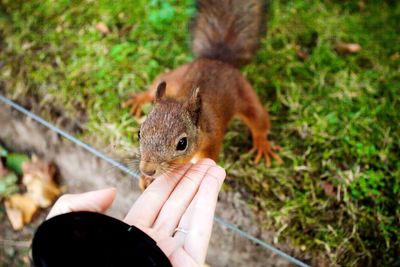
pixel 201 97
pixel 228 30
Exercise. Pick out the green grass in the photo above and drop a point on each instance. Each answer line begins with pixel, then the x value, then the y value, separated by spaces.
pixel 336 116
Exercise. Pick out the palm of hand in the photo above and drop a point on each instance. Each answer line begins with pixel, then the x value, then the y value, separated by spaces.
pixel 184 198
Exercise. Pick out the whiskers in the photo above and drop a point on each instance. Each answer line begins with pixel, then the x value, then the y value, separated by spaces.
pixel 129 166
pixel 172 170
pixel 168 170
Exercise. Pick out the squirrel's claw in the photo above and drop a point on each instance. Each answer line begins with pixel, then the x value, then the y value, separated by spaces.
pixel 263 148
pixel 144 182
pixel 136 102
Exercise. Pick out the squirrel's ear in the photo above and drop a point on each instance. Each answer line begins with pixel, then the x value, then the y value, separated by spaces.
pixel 193 105
pixel 160 90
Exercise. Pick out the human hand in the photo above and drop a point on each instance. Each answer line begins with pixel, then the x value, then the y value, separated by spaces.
pixel 184 198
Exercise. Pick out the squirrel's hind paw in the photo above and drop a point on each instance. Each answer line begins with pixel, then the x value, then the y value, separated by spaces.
pixel 264 148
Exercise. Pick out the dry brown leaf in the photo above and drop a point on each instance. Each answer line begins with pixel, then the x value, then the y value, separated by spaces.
pixel 43 193
pixel 395 56
pixel 103 28
pixel 39 168
pixel 39 181
pixel 20 210
pixel 361 5
pixel 15 217
pixel 347 48
pixel 302 54
pixel 328 188
pixel 3 170
pixel 38 177
pixel 126 29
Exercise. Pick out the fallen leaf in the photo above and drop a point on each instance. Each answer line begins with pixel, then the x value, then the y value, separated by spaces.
pixel 347 48
pixel 20 210
pixel 103 28
pixel 3 170
pixel 395 56
pixel 39 168
pixel 15 217
pixel 43 193
pixel 328 188
pixel 361 5
pixel 126 29
pixel 302 54
pixel 41 190
pixel 39 181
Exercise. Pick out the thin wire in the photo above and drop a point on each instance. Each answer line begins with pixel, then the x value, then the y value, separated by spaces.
pixel 122 167
pixel 69 137
pixel 260 242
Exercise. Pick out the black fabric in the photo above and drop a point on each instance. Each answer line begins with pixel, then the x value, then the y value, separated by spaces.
pixel 93 239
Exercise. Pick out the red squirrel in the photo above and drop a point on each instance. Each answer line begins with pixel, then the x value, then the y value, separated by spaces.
pixel 194 103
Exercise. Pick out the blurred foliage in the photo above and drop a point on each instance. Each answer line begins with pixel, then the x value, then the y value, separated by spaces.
pixel 3 151
pixel 335 116
pixel 14 162
pixel 8 179
pixel 8 185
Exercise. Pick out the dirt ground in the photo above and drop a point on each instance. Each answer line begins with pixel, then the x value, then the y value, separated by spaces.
pixel 80 171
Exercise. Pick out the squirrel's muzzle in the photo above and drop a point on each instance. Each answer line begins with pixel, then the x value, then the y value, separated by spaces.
pixel 148 168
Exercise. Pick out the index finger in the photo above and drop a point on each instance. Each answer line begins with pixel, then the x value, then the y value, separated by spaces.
pixel 198 219
pixel 146 208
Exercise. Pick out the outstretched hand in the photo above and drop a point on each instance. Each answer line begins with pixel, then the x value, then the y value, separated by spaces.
pixel 176 210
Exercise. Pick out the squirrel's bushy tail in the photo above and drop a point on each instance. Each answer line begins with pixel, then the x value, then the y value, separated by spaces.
pixel 228 30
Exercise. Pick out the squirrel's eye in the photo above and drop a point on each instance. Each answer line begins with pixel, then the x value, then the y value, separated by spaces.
pixel 182 144
pixel 138 135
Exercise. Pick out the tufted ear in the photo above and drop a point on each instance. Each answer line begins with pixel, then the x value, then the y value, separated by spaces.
pixel 160 93
pixel 193 105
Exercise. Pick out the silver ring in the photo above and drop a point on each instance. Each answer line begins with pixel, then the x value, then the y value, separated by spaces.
pixel 179 229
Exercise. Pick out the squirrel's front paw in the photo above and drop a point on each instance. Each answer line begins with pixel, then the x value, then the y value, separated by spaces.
pixel 136 102
pixel 144 182
pixel 264 148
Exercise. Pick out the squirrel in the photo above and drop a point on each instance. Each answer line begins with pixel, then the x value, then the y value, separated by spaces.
pixel 194 103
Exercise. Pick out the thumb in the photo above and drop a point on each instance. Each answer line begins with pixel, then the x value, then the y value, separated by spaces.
pixel 96 201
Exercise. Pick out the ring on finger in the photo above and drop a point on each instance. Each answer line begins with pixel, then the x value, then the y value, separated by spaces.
pixel 180 229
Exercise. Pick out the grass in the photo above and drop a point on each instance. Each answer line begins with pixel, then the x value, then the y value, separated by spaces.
pixel 336 116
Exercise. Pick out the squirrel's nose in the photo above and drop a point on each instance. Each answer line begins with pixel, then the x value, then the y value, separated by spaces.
pixel 149 172
pixel 148 168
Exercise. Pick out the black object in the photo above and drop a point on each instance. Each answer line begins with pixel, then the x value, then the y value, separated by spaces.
pixel 93 239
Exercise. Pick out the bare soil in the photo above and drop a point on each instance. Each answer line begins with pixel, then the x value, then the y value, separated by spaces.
pixel 81 171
